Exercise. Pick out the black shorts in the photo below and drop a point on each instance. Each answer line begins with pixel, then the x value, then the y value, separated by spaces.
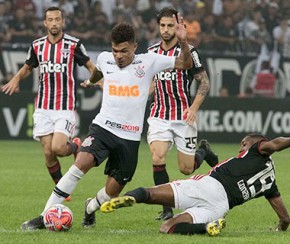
pixel 122 154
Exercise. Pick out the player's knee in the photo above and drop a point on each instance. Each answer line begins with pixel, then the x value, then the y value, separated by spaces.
pixel 59 150
pixel 158 158
pixel 186 170
pixel 165 227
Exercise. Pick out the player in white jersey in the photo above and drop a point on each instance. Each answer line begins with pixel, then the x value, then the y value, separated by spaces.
pixel 116 131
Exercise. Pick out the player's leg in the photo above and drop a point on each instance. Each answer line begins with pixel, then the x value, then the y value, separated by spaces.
pixel 120 168
pixel 159 151
pixel 160 140
pixel 161 194
pixel 112 189
pixel 64 124
pixel 204 202
pixel 51 161
pixel 184 225
pixel 66 185
pixel 185 137
pixel 189 156
pixel 210 156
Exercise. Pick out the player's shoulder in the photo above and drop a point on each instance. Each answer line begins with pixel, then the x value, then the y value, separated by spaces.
pixel 68 37
pixel 106 57
pixel 39 40
pixel 154 47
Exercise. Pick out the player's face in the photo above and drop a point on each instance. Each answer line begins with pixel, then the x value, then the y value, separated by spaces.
pixel 124 53
pixel 246 143
pixel 167 28
pixel 54 22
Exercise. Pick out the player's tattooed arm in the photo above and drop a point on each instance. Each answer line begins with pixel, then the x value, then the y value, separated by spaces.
pixel 204 84
pixel 191 112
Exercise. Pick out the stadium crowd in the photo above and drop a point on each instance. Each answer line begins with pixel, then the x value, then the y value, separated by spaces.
pixel 213 25
pixel 257 28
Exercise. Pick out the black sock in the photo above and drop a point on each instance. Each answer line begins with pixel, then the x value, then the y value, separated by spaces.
pixel 160 177
pixel 140 194
pixel 198 158
pixel 187 229
pixel 55 172
pixel 160 174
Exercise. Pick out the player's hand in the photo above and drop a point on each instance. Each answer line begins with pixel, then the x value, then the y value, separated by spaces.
pixel 87 83
pixel 11 87
pixel 180 28
pixel 189 116
pixel 283 225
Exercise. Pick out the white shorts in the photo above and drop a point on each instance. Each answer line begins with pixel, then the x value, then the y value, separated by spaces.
pixel 49 121
pixel 204 199
pixel 174 131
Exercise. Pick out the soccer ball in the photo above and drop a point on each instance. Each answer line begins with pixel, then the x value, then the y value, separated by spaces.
pixel 58 218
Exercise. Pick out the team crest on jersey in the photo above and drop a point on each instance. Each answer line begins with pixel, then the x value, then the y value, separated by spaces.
pixel 65 52
pixel 140 71
pixel 88 141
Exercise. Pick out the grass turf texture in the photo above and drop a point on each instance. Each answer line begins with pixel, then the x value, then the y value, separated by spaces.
pixel 26 186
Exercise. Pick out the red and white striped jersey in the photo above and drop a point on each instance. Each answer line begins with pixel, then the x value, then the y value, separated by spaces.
pixel 172 87
pixel 57 64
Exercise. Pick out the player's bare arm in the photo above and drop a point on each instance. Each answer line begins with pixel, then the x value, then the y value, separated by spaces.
pixel 280 209
pixel 13 84
pixel 202 91
pixel 184 60
pixel 274 145
pixel 96 77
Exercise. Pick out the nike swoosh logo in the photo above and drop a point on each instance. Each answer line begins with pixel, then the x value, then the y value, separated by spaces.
pixel 110 72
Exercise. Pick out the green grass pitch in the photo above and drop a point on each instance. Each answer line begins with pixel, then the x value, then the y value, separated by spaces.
pixel 25 187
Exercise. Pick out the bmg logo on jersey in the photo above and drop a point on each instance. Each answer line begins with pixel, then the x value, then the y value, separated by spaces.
pixel 124 91
pixel 130 128
pixel 49 67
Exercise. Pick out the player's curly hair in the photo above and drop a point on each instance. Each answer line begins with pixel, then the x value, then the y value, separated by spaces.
pixel 123 32
pixel 166 12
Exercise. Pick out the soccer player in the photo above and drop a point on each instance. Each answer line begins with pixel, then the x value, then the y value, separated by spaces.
pixel 205 199
pixel 173 113
pixel 115 132
pixel 56 55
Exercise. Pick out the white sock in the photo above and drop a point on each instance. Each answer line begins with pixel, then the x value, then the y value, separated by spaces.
pixel 96 202
pixel 66 184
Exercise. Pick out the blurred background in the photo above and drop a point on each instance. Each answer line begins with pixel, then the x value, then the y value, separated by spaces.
pixel 244 45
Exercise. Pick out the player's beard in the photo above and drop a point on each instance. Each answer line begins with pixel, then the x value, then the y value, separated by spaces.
pixel 168 38
pixel 54 31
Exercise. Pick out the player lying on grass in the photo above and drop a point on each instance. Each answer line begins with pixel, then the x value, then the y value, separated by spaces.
pixel 205 199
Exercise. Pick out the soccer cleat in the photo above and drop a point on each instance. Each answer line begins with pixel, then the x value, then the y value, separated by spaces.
pixel 34 224
pixel 210 157
pixel 77 141
pixel 118 202
pixel 165 215
pixel 89 220
pixel 215 227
